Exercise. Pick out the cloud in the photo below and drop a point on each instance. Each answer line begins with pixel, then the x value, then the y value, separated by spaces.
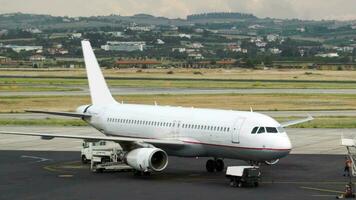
pixel 305 9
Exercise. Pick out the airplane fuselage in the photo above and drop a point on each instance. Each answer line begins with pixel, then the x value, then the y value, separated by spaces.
pixel 209 132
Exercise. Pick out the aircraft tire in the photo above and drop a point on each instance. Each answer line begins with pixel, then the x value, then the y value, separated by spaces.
pixel 210 165
pixel 219 165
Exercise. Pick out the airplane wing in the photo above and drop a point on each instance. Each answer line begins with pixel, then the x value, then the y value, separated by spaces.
pixel 298 121
pixel 98 138
pixel 67 114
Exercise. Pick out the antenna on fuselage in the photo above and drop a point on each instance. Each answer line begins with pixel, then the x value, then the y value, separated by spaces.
pixel 251 109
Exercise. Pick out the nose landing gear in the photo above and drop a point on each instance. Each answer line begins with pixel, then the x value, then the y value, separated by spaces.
pixel 215 165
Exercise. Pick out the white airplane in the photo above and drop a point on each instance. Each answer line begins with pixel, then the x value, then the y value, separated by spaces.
pixel 149 133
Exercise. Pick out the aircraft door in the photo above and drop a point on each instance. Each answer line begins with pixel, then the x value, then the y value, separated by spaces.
pixel 176 128
pixel 235 130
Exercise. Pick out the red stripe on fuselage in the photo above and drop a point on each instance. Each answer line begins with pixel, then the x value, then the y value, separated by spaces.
pixel 218 145
pixel 251 148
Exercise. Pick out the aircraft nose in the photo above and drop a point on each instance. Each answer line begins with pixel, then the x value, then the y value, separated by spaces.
pixel 284 147
pixel 286 143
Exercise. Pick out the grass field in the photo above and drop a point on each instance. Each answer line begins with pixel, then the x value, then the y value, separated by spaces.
pixel 26 88
pixel 184 78
pixel 263 102
pixel 273 74
pixel 41 122
pixel 176 83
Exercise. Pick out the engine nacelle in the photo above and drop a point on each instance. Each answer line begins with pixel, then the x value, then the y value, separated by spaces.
pixel 147 159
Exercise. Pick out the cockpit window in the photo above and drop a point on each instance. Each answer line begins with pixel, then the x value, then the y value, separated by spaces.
pixel 281 129
pixel 261 130
pixel 271 130
pixel 254 130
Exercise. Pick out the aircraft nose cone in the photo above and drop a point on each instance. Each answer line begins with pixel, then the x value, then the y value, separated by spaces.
pixel 286 143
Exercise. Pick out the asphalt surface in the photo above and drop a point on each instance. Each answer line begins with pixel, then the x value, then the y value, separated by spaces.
pixel 59 175
pixel 128 90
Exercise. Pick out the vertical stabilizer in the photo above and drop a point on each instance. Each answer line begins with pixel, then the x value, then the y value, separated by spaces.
pixel 99 91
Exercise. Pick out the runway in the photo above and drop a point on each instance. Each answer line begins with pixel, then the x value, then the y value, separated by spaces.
pixel 305 141
pixel 59 175
pixel 146 91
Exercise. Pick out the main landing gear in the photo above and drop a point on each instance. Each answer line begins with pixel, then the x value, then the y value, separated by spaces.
pixel 215 165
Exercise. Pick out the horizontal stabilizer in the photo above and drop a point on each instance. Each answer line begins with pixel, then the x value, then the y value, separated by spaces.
pixel 67 114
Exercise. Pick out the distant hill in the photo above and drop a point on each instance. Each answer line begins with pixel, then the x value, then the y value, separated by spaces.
pixel 220 15
pixel 21 20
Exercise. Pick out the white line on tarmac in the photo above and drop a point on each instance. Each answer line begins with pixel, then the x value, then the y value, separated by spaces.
pixel 39 159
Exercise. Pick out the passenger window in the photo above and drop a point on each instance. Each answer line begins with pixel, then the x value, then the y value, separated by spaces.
pixel 271 130
pixel 254 130
pixel 261 130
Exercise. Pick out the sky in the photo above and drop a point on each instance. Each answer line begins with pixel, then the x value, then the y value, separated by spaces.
pixel 302 9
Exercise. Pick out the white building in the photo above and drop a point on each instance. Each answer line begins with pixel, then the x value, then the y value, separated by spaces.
pixel 196 45
pixel 261 44
pixel 116 33
pixel 140 28
pixel 159 41
pixel 256 26
pixel 76 35
pixel 346 49
pixel 183 35
pixel 37 58
pixel 34 30
pixel 124 46
pixel 272 37
pixel 3 32
pixel 327 55
pixel 302 29
pixel 196 55
pixel 275 51
pixel 180 50
pixel 17 48
pixel 199 30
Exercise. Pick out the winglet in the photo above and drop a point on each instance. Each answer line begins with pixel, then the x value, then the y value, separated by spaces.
pixel 99 91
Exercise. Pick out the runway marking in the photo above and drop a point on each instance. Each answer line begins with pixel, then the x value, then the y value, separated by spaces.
pixel 53 169
pixel 40 159
pixel 323 195
pixel 58 167
pixel 65 176
pixel 304 182
pixel 322 190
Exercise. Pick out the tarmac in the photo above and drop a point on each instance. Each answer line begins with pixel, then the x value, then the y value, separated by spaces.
pixel 35 169
pixel 36 175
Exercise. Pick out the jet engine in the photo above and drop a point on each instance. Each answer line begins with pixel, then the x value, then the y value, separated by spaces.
pixel 147 159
